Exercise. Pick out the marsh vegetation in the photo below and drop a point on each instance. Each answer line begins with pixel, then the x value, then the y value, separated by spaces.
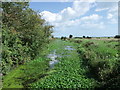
pixel 31 59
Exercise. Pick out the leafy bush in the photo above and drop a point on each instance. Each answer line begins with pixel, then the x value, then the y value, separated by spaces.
pixel 24 34
pixel 103 61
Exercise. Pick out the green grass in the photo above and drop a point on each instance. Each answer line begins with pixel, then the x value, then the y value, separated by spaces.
pixel 102 59
pixel 69 73
pixel 11 81
pixel 83 67
pixel 23 75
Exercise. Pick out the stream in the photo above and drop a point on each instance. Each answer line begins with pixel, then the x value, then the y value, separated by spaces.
pixel 53 56
pixel 69 48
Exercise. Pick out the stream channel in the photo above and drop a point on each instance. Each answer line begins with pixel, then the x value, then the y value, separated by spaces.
pixel 53 56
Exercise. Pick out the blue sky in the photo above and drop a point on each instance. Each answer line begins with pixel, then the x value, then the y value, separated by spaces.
pixel 80 18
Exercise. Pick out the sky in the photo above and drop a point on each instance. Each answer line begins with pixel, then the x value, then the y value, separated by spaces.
pixel 91 18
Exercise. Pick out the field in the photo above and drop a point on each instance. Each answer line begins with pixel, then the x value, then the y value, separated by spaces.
pixel 82 63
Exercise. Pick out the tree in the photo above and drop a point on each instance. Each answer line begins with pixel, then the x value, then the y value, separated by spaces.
pixel 88 37
pixel 117 36
pixel 83 36
pixel 24 34
pixel 70 36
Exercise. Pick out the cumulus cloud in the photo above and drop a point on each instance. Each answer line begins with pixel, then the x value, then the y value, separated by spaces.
pixel 51 17
pixel 92 19
pixel 78 9
pixel 73 17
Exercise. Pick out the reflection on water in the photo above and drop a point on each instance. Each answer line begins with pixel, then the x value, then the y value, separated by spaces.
pixel 69 48
pixel 53 59
pixel 53 56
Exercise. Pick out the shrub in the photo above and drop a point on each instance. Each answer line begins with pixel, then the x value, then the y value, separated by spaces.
pixel 117 36
pixel 24 34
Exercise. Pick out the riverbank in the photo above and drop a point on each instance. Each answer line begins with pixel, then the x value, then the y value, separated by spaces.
pixel 69 72
pixel 65 64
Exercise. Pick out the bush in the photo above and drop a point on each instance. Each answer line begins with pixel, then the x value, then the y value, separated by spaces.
pixel 24 34
pixel 103 63
pixel 117 36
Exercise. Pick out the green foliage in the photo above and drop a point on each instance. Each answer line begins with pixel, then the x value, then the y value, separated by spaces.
pixel 84 67
pixel 23 75
pixel 103 61
pixel 35 70
pixel 24 34
pixel 68 73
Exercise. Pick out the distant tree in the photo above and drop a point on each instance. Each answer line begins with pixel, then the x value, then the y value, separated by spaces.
pixel 117 36
pixel 52 36
pixel 64 38
pixel 70 36
pixel 88 37
pixel 83 36
pixel 61 38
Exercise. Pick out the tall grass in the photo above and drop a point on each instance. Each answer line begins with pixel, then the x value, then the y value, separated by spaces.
pixel 102 59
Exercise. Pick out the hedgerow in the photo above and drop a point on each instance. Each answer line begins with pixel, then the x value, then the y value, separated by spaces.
pixel 24 34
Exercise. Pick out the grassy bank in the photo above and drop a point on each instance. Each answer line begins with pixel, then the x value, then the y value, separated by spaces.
pixel 30 72
pixel 23 75
pixel 101 57
pixel 69 72
pixel 89 64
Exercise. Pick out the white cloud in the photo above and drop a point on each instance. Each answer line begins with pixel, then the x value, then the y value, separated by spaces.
pixel 51 17
pixel 101 9
pixel 91 17
pixel 82 7
pixel 78 9
pixel 74 16
pixel 92 21
pixel 112 15
pixel 111 11
pixel 114 10
pixel 68 13
pixel 109 16
pixel 99 25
